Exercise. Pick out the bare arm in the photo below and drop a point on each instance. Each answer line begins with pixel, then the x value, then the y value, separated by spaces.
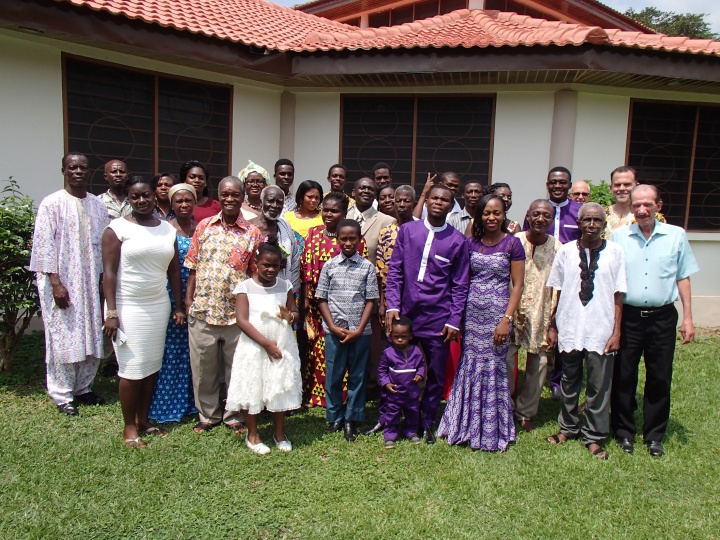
pixel 190 291
pixel 517 275
pixel 59 292
pixel 552 333
pixel 111 246
pixel 417 211
pixel 327 317
pixel 173 273
pixel 687 329
pixel 613 343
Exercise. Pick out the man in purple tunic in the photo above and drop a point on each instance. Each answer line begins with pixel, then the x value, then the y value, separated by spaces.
pixel 428 282
pixel 564 228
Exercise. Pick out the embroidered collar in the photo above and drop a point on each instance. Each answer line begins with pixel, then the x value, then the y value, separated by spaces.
pixel 434 229
pixel 240 222
pixel 559 205
pixel 587 271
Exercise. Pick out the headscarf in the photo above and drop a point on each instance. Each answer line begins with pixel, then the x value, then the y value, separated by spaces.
pixel 251 168
pixel 182 186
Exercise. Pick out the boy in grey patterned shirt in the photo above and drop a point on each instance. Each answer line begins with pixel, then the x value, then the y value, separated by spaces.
pixel 347 292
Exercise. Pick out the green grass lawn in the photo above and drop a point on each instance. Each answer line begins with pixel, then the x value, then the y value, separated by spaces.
pixel 64 477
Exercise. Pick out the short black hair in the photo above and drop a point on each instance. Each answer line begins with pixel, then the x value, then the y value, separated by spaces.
pixel 350 223
pixel 137 180
pixel 441 186
pixel 499 185
pixel 404 320
pixel 283 161
pixel 158 176
pixel 381 165
pixel 338 166
pixel 339 197
pixel 562 170
pixel 71 154
pixel 191 164
pixel 268 247
pixel 303 188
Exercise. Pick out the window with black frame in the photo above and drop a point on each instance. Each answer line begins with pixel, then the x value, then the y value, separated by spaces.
pixel 418 134
pixel 676 147
pixel 152 122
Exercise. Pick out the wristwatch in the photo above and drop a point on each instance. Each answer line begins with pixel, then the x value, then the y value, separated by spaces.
pixel 508 317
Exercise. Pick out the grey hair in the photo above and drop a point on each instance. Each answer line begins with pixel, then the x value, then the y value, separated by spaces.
pixel 589 206
pixel 406 189
pixel 646 186
pixel 267 190
pixel 233 179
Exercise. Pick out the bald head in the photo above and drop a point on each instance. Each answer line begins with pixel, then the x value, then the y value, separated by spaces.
pixel 116 174
pixel 580 191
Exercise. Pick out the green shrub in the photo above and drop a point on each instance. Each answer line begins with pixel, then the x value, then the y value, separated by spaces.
pixel 18 293
pixel 600 193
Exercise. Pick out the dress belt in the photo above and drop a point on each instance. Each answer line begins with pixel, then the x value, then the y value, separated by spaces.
pixel 645 312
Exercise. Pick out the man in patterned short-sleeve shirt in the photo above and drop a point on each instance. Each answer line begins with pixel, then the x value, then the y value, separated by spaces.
pixel 221 254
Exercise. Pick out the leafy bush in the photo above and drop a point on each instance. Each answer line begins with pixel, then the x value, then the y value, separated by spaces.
pixel 18 294
pixel 600 193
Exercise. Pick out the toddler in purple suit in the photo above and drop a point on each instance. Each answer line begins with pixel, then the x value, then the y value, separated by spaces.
pixel 401 368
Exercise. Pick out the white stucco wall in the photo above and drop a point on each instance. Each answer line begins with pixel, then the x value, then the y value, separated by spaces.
pixel 256 127
pixel 317 136
pixel 31 140
pixel 600 135
pixel 32 143
pixel 523 123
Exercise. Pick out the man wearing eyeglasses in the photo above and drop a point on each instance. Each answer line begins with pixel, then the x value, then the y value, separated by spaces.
pixel 580 191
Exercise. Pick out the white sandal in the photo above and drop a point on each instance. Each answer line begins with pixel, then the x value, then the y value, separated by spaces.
pixel 260 448
pixel 283 446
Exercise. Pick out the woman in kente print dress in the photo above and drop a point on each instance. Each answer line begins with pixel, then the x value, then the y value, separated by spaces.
pixel 173 395
pixel 479 410
pixel 320 247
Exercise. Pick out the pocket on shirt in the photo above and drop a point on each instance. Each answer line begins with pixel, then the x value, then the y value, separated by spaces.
pixel 666 266
pixel 442 259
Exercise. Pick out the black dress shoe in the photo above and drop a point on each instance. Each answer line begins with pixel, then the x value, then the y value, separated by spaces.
pixel 626 444
pixel 377 428
pixel 555 393
pixel 90 398
pixel 333 427
pixel 351 431
pixel 655 448
pixel 429 436
pixel 68 408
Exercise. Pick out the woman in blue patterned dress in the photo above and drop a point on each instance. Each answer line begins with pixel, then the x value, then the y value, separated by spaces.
pixel 173 396
pixel 479 410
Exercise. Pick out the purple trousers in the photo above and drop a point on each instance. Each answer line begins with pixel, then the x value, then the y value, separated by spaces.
pixel 436 355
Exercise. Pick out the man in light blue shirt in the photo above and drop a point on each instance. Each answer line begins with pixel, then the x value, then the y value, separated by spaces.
pixel 659 263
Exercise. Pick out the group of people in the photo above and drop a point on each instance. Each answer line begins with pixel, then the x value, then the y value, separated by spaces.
pixel 265 300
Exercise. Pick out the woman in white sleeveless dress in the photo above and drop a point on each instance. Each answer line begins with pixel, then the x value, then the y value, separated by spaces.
pixel 140 254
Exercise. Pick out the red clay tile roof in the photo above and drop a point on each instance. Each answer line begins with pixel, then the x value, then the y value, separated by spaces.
pixel 476 28
pixel 251 22
pixel 268 25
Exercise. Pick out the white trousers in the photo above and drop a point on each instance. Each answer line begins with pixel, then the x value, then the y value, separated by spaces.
pixel 65 381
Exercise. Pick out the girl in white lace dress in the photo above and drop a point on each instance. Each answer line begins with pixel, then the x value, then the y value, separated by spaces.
pixel 266 366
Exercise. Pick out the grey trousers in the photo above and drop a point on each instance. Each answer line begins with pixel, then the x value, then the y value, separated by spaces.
pixel 526 403
pixel 597 403
pixel 207 341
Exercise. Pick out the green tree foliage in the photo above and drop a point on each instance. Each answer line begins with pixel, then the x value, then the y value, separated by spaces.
pixel 600 193
pixel 18 294
pixel 692 25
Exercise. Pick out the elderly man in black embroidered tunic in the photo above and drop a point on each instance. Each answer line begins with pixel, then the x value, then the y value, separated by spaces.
pixel 589 275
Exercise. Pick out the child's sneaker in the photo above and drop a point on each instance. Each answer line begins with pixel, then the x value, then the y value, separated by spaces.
pixel 415 439
pixel 389 444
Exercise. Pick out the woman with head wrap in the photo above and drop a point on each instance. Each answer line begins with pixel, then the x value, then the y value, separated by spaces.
pixel 173 395
pixel 255 179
